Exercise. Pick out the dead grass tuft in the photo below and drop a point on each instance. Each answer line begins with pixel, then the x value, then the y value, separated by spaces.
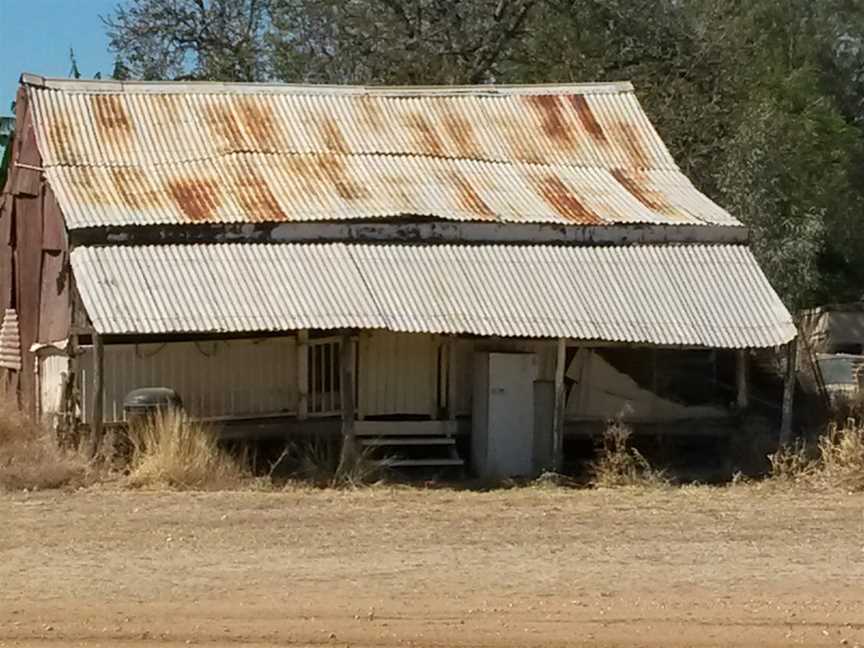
pixel 170 450
pixel 619 464
pixel 30 457
pixel 838 460
pixel 841 455
pixel 315 462
pixel 792 464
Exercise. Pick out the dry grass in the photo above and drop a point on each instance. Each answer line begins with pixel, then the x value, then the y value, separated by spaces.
pixel 172 451
pixel 619 464
pixel 317 463
pixel 792 464
pixel 30 457
pixel 838 460
pixel 841 454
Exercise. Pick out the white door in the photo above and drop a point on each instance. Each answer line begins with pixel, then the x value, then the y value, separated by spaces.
pixel 510 452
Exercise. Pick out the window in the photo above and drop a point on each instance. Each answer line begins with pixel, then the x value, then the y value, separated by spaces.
pixel 324 377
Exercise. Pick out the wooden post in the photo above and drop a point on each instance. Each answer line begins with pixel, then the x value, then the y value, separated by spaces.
pixel 741 375
pixel 346 385
pixel 302 374
pixel 560 400
pixel 789 393
pixel 98 392
pixel 451 378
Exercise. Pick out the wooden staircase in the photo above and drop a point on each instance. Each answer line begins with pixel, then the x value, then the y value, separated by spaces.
pixel 412 444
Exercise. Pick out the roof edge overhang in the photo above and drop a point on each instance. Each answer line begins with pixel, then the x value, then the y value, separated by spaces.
pixel 693 296
pixel 487 90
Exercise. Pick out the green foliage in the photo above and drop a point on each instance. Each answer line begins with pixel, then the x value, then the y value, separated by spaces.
pixel 760 101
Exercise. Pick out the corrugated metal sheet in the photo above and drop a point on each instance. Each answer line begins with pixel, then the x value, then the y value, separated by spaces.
pixel 222 378
pixel 147 154
pixel 222 288
pixel 10 341
pixel 713 296
pixel 398 374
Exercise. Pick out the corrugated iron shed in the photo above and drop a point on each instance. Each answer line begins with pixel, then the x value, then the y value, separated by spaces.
pixel 695 295
pixel 138 153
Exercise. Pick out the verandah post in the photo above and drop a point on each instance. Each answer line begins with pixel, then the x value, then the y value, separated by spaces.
pixel 560 399
pixel 348 454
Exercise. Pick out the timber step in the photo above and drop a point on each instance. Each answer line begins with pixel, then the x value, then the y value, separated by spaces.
pixel 443 461
pixel 406 441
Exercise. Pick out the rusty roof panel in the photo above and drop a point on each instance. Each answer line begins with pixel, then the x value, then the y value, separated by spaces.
pixel 281 188
pixel 695 295
pixel 606 130
pixel 167 153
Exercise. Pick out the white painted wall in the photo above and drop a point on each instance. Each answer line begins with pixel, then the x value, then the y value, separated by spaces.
pixel 221 378
pixel 52 366
pixel 398 373
pixel 463 357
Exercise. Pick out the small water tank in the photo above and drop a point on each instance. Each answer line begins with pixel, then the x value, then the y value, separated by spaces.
pixel 146 402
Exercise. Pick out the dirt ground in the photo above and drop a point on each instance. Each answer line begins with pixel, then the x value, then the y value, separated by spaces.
pixel 739 566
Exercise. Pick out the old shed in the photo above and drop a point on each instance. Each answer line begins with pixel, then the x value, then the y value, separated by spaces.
pixel 496 262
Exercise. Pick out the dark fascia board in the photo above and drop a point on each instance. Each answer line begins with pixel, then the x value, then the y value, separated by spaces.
pixel 412 233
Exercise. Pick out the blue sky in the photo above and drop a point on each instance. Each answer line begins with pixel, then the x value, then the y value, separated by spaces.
pixel 35 36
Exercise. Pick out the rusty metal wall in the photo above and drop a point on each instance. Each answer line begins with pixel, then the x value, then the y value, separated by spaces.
pixel 214 378
pixel 33 253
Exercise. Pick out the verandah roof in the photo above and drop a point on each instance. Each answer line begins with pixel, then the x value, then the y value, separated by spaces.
pixel 694 295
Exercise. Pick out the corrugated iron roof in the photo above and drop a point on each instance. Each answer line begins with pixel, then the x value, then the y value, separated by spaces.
pixel 713 296
pixel 121 154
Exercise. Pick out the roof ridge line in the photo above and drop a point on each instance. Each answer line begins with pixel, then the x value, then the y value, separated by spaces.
pixel 230 87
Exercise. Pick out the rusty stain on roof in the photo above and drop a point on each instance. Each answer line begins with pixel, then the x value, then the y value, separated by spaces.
pixel 587 119
pixel 258 122
pixel 333 169
pixel 168 108
pixel 197 199
pixel 221 120
pixel 333 139
pixel 426 137
pixel 147 154
pixel 468 198
pixel 633 143
pixel 638 185
pixel 554 124
pixel 460 131
pixel 59 135
pixel 111 116
pixel 565 201
pixel 128 180
pixel 255 196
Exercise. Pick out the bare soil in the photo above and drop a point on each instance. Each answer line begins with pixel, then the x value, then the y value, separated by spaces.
pixel 738 566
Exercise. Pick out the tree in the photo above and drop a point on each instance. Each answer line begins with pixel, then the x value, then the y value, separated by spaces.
pixel 760 101
pixel 192 39
pixel 395 41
